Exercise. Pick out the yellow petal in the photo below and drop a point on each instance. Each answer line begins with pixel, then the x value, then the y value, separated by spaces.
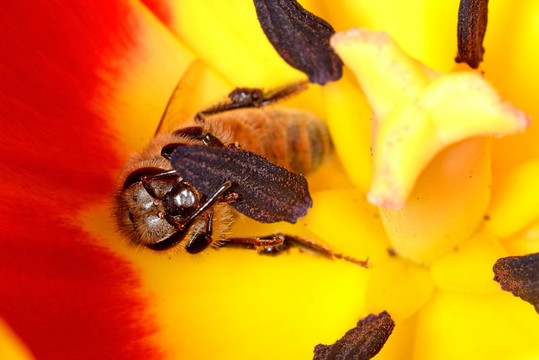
pixel 446 205
pixel 468 267
pixel 463 104
pixel 197 299
pixel 320 179
pixel 386 74
pixel 432 39
pixel 348 117
pixel 347 222
pixel 417 112
pixel 515 200
pixel 525 242
pixel 11 346
pixel 481 327
pixel 511 59
pixel 398 287
pixel 227 35
pixel 310 99
pixel 400 343
pixel 144 81
pixel 401 152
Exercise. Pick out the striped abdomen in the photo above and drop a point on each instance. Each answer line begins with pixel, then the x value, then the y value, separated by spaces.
pixel 295 139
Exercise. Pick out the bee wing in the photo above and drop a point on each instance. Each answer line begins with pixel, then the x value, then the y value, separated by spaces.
pixel 180 108
pixel 267 192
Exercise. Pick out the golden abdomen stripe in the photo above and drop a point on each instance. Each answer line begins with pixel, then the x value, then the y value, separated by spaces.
pixel 295 139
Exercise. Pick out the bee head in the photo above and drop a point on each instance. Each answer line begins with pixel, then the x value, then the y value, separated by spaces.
pixel 156 210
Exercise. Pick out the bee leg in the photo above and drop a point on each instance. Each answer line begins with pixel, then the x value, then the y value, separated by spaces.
pixel 283 92
pixel 312 246
pixel 216 197
pixel 167 150
pixel 271 244
pixel 220 195
pixel 240 98
pixel 198 133
pixel 201 240
pixel 194 133
pixel 230 198
pixel 277 243
pixel 206 138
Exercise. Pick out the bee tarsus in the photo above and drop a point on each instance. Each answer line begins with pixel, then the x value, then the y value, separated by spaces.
pixel 241 98
pixel 198 133
pixel 277 243
pixel 202 240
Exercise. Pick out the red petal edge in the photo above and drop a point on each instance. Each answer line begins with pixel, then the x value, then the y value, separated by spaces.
pixel 62 295
pixel 162 9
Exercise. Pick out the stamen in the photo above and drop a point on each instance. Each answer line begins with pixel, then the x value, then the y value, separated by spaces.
pixel 300 38
pixel 520 276
pixel 472 24
pixel 362 342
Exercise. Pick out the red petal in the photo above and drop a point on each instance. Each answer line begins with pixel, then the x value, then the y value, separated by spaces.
pixel 62 295
pixel 161 9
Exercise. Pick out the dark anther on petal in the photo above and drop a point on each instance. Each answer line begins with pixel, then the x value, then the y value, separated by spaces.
pixel 266 192
pixel 520 276
pixel 301 38
pixel 360 343
pixel 472 25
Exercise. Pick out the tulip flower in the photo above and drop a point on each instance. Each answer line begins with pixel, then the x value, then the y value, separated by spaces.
pixel 84 85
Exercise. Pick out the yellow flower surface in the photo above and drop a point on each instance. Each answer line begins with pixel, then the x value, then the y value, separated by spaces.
pixel 417 113
pixel 433 179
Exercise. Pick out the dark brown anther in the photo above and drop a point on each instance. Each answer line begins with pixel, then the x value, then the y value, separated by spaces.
pixel 472 24
pixel 520 276
pixel 360 343
pixel 300 38
pixel 267 192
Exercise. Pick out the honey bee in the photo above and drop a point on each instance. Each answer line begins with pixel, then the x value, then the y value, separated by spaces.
pixel 185 188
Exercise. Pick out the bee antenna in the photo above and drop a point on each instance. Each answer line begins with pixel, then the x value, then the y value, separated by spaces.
pixel 214 198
